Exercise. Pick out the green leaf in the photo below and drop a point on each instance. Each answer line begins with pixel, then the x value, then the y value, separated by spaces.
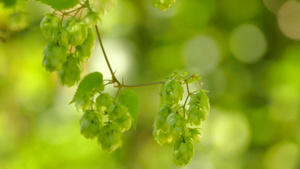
pixel 60 4
pixel 131 100
pixel 90 84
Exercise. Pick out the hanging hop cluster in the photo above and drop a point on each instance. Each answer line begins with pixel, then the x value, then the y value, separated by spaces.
pixel 71 43
pixel 179 123
pixel 104 117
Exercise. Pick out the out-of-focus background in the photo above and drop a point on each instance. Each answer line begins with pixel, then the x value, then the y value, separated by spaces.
pixel 248 54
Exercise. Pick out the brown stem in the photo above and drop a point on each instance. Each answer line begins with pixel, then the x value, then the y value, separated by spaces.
pixel 114 79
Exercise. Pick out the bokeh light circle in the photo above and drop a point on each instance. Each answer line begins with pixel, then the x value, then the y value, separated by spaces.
pixel 289 19
pixel 282 155
pixel 248 43
pixel 202 54
pixel 231 133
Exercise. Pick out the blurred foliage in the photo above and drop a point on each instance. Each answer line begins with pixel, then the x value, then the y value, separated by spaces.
pixel 247 53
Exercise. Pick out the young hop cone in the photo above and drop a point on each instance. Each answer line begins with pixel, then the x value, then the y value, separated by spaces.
pixel 183 151
pixel 199 108
pixel 70 73
pixel 176 124
pixel 103 102
pixel 161 132
pixel 77 30
pixel 54 57
pixel 110 137
pixel 60 36
pixel 120 116
pixel 172 92
pixel 90 124
pixel 48 24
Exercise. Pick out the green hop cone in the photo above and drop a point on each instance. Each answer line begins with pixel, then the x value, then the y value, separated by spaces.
pixel 90 124
pixel 164 112
pixel 172 92
pixel 162 136
pixel 195 115
pixel 91 18
pixel 176 124
pixel 195 134
pixel 54 57
pixel 60 36
pixel 104 101
pixel 110 137
pixel 201 100
pixel 77 31
pixel 85 50
pixel 84 102
pixel 183 151
pixel 48 24
pixel 119 114
pixel 70 73
pixel 163 4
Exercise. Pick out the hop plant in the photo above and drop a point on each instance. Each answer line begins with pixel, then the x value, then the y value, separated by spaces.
pixel 183 151
pixel 110 137
pixel 70 73
pixel 71 42
pixel 54 56
pixel 90 124
pixel 49 24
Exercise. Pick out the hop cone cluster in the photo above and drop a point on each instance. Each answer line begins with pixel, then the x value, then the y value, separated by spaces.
pixel 177 123
pixel 104 117
pixel 71 43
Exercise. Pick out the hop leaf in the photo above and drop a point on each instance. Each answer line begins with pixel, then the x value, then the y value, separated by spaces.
pixel 70 74
pixel 54 57
pixel 90 124
pixel 110 137
pixel 90 85
pixel 60 4
pixel 48 24
pixel 183 151
pixel 87 88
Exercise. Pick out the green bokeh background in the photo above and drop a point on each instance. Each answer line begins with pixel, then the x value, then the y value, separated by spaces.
pixel 248 54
